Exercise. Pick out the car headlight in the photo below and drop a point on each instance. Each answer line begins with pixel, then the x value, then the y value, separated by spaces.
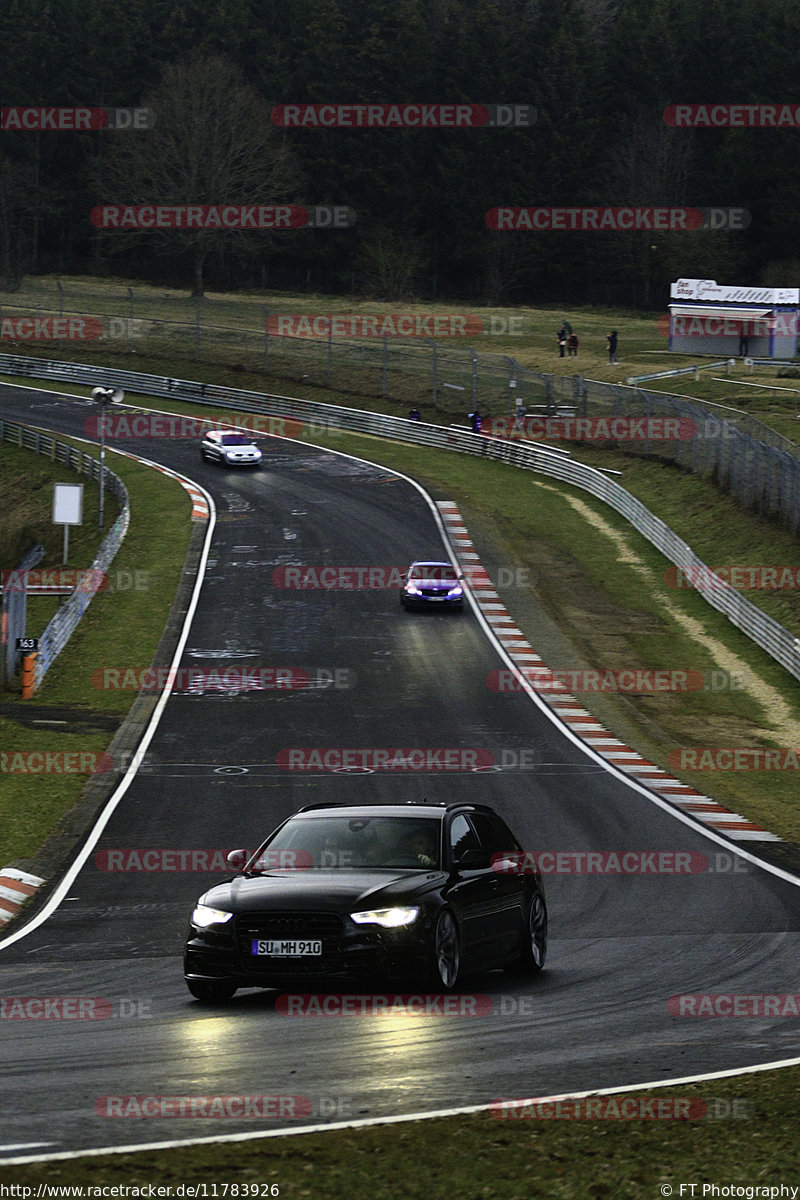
pixel 412 589
pixel 204 916
pixel 455 591
pixel 388 918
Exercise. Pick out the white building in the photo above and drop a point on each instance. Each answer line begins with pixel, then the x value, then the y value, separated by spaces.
pixel 708 318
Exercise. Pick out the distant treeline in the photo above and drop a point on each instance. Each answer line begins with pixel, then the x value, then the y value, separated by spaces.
pixel 599 74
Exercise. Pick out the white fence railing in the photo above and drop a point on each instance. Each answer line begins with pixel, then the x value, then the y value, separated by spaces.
pixel 61 627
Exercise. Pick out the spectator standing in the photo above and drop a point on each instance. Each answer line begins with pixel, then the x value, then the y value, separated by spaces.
pixel 572 345
pixel 611 338
pixel 562 341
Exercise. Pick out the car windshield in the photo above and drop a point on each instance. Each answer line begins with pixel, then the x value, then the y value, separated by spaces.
pixel 236 439
pixel 341 843
pixel 442 572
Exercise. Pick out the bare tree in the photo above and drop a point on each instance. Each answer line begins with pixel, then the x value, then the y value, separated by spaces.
pixel 508 264
pixel 391 264
pixel 651 165
pixel 212 144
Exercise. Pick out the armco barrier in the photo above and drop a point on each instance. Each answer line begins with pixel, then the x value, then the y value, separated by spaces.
pixel 59 630
pixel 767 633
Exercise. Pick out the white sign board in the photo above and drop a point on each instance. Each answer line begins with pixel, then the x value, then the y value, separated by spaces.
pixel 710 290
pixel 68 503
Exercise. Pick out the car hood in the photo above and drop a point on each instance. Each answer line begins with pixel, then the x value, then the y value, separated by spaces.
pixel 327 891
pixel 241 452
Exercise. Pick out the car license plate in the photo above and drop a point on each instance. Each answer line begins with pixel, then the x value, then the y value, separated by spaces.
pixel 287 948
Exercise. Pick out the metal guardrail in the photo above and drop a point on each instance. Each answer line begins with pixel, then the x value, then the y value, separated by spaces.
pixel 61 627
pixel 727 363
pixel 769 634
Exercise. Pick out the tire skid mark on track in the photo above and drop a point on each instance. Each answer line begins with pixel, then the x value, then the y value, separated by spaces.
pixel 569 710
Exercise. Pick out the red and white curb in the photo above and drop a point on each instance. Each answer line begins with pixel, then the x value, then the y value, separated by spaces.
pixel 15 888
pixel 571 712
pixel 200 509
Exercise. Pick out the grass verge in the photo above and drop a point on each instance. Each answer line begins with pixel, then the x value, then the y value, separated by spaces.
pixel 122 626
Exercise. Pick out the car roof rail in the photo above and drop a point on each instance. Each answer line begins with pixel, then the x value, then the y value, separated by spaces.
pixel 324 804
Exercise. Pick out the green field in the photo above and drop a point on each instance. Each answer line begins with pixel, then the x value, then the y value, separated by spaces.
pixel 221 339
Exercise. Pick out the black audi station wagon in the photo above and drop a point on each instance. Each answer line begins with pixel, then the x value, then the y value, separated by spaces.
pixel 419 893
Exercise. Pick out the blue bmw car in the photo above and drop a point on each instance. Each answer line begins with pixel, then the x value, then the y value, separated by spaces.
pixel 432 585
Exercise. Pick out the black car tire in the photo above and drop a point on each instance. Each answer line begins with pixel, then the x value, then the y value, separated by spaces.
pixel 446 952
pixel 534 950
pixel 211 991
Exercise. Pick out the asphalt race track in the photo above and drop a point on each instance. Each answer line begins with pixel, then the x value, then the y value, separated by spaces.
pixel 620 946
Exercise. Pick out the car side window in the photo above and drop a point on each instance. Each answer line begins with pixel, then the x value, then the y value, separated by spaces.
pixel 462 837
pixel 495 835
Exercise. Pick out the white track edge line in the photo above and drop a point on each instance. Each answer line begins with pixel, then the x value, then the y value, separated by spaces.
pixel 398 1119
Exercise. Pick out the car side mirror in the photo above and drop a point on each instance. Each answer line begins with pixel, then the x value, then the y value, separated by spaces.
pixel 236 859
pixel 473 860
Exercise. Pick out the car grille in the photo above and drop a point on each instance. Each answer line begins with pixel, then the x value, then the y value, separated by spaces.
pixel 328 927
